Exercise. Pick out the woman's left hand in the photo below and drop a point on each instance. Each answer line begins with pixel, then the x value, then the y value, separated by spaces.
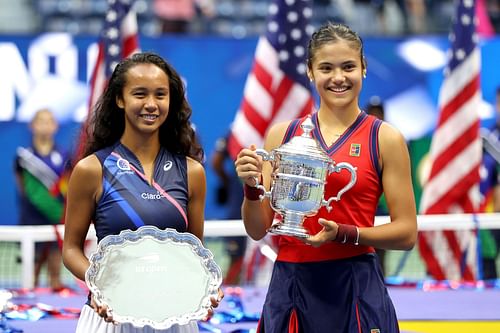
pixel 327 234
pixel 215 303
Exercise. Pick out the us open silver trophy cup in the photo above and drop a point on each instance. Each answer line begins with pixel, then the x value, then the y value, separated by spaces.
pixel 300 169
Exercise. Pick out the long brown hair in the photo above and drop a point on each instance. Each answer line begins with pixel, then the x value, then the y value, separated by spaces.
pixel 107 122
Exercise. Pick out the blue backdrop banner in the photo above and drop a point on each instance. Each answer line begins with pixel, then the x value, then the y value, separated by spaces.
pixel 52 70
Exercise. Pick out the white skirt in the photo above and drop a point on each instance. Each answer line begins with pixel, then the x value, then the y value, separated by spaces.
pixel 91 322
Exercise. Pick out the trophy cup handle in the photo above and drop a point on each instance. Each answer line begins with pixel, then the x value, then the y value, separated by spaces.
pixel 261 187
pixel 337 168
pixel 265 155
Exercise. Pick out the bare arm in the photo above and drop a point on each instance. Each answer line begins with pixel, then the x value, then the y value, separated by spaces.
pixel 197 194
pixel 83 190
pixel 258 216
pixel 401 232
pixel 19 182
pixel 496 199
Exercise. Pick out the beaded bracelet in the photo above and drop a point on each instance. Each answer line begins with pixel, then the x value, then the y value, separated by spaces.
pixel 252 193
pixel 347 234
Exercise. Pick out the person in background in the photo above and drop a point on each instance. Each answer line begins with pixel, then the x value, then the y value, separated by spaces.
pixel 490 190
pixel 229 194
pixel 493 9
pixel 40 171
pixel 331 282
pixel 176 15
pixel 375 108
pixel 141 141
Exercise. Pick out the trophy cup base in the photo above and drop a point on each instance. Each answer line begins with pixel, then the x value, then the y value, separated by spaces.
pixel 287 230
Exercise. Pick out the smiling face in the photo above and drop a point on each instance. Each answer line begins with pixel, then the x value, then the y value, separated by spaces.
pixel 337 72
pixel 337 66
pixel 145 98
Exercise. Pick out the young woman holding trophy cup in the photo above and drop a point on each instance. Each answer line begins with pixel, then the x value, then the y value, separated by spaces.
pixel 330 281
pixel 141 151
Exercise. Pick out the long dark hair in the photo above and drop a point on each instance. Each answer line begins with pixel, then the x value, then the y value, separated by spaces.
pixel 107 122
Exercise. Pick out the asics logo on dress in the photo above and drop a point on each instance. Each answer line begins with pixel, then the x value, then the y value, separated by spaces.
pixel 167 166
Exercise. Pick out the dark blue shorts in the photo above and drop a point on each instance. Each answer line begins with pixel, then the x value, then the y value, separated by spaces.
pixel 337 296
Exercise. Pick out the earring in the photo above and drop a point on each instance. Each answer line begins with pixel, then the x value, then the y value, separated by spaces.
pixel 364 73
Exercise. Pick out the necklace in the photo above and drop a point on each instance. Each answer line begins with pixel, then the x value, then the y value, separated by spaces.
pixel 330 132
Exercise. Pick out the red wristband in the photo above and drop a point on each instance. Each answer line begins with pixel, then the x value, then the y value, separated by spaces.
pixel 347 234
pixel 252 193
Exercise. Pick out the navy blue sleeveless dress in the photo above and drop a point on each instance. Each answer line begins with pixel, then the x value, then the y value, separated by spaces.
pixel 129 201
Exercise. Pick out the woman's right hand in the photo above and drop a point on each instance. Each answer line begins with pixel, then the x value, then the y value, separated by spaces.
pixel 249 165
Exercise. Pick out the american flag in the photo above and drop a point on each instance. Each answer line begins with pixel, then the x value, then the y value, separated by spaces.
pixel 119 39
pixel 455 154
pixel 277 88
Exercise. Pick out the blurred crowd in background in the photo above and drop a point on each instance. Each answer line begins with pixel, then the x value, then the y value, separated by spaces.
pixel 231 18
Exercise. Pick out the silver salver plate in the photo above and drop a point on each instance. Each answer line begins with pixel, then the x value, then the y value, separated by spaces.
pixel 153 277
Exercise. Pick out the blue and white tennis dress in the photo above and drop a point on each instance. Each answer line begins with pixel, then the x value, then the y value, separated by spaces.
pixel 128 201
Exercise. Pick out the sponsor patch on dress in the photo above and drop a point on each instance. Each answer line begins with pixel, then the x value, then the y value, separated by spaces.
pixel 374 330
pixel 355 151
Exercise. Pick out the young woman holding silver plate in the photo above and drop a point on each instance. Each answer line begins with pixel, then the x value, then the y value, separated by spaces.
pixel 141 166
pixel 330 281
